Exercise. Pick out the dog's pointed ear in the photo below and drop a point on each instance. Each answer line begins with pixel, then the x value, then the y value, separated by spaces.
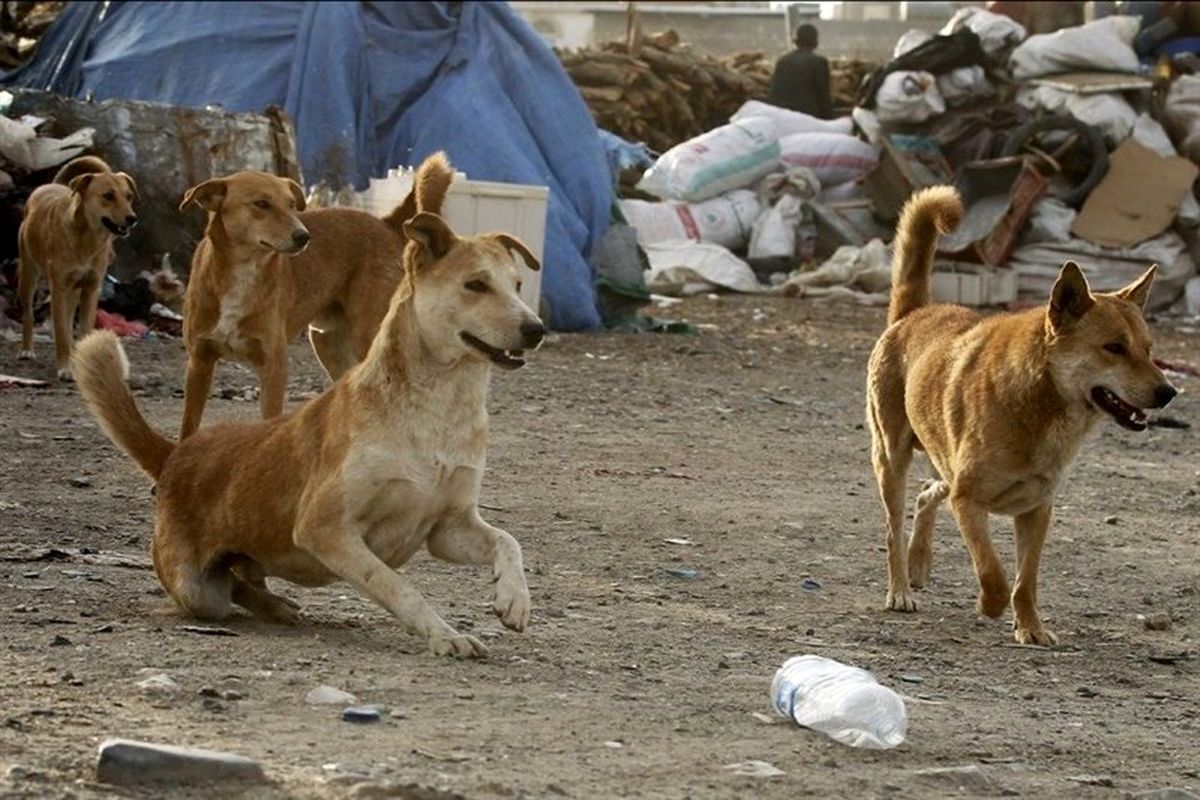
pixel 208 195
pixel 431 234
pixel 1071 297
pixel 80 183
pixel 1138 292
pixel 514 245
pixel 297 194
pixel 129 181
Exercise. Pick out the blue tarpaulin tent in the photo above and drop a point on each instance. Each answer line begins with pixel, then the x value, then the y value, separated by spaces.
pixel 368 86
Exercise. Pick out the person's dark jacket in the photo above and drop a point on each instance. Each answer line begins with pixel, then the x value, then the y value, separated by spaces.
pixel 801 83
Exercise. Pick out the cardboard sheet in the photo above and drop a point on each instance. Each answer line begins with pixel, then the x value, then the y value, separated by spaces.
pixel 1138 198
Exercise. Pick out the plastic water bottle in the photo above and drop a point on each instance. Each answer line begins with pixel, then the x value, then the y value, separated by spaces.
pixel 843 702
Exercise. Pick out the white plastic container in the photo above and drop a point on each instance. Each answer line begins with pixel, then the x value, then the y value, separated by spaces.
pixel 477 207
pixel 845 703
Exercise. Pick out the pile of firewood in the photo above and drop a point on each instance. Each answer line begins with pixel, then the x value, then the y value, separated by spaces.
pixel 21 25
pixel 659 92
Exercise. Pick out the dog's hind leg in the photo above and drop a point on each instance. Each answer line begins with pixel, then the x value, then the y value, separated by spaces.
pixel 251 593
pixel 27 279
pixel 1031 534
pixel 973 524
pixel 920 546
pixel 891 452
pixel 473 541
pixel 203 591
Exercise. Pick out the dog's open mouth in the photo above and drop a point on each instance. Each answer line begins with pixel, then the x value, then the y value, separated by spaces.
pixel 114 228
pixel 509 359
pixel 289 249
pixel 1126 415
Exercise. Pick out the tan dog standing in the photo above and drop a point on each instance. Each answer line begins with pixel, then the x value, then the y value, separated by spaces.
pixel 252 290
pixel 67 236
pixel 353 483
pixel 999 404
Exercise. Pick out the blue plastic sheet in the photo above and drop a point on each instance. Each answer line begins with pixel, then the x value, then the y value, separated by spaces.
pixel 368 86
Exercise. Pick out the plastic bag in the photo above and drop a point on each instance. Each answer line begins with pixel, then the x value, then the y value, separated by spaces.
pixel 833 157
pixel 1109 112
pixel 964 85
pixel 730 157
pixel 788 122
pixel 774 233
pixel 997 33
pixel 682 268
pixel 1105 45
pixel 908 97
pixel 1181 115
pixel 724 220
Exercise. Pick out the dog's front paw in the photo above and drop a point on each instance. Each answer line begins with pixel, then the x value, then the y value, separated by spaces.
pixel 458 645
pixel 1037 635
pixel 64 374
pixel 512 604
pixel 919 564
pixel 25 355
pixel 901 600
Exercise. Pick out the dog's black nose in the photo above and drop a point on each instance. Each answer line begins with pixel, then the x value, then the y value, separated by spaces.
pixel 533 331
pixel 301 237
pixel 1164 394
pixel 131 220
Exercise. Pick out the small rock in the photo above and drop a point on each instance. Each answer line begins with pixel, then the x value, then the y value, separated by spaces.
pixel 125 762
pixel 208 691
pixel 329 696
pixel 810 585
pixel 1087 691
pixel 1092 780
pixel 613 744
pixel 755 769
pixel 361 714
pixel 80 482
pixel 1158 622
pixel 912 679
pixel 1111 520
pixel 683 573
pixel 970 778
pixel 19 773
pixel 160 685
pixel 233 694
pixel 60 641
pixel 1170 793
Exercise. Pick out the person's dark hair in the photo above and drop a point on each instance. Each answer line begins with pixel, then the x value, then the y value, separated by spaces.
pixel 805 36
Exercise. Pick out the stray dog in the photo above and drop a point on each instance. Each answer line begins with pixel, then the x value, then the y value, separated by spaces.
pixel 252 290
pixel 1000 406
pixel 354 482
pixel 67 235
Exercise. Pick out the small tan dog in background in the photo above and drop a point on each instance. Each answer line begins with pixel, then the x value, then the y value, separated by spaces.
pixel 354 482
pixel 999 404
pixel 252 289
pixel 67 236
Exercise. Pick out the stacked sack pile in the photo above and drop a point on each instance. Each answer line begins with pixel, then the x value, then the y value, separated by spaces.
pixel 742 196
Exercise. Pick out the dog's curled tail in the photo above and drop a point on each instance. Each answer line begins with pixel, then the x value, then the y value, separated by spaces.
pixel 928 214
pixel 101 369
pixel 84 165
pixel 430 185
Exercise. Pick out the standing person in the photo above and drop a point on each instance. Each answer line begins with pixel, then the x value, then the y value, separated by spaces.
pixel 801 79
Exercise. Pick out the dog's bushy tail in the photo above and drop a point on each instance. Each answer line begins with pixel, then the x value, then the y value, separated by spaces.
pixel 84 165
pixel 928 214
pixel 101 369
pixel 430 185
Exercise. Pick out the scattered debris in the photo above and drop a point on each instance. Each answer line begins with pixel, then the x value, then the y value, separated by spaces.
pixel 362 714
pixel 1092 780
pixel 329 696
pixel 159 684
pixel 1157 622
pixel 205 630
pixel 755 769
pixel 683 573
pixel 970 779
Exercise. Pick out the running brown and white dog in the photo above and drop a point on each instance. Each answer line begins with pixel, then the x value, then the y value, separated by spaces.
pixel 67 236
pixel 1000 405
pixel 354 482
pixel 267 269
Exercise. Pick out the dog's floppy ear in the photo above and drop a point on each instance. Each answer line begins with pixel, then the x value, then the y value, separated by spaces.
pixel 1138 292
pixel 208 195
pixel 1070 298
pixel 130 183
pixel 80 183
pixel 297 194
pixel 431 233
pixel 514 245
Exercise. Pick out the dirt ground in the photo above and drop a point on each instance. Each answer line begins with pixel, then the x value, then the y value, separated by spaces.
pixel 747 441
